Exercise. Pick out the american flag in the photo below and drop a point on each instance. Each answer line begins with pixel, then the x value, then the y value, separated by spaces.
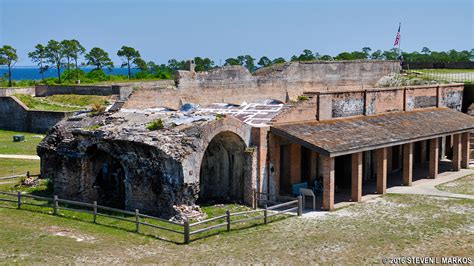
pixel 397 40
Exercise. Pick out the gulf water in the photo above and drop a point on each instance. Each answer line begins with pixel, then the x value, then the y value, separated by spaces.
pixel 32 73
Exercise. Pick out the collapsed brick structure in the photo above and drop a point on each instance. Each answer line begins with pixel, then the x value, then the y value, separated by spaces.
pixel 243 133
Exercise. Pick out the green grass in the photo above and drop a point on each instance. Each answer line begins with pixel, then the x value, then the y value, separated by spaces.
pixel 444 70
pixel 65 103
pixel 9 167
pixel 410 225
pixel 7 146
pixel 464 185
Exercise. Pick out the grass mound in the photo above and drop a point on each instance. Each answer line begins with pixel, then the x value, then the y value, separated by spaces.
pixel 70 102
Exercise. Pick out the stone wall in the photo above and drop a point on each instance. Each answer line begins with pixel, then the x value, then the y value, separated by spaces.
pixel 14 115
pixel 123 89
pixel 234 84
pixel 328 105
pixel 5 92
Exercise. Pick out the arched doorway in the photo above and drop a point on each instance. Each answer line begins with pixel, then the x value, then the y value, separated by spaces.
pixel 109 178
pixel 223 169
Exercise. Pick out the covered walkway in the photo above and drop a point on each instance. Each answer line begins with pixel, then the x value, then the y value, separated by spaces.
pixel 378 151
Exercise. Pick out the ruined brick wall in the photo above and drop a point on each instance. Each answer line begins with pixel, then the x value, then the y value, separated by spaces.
pixel 329 105
pixel 234 84
pixel 104 90
pixel 14 115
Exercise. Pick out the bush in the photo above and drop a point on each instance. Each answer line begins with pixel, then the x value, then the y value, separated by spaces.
pixel 97 75
pixel 155 125
pixel 97 108
pixel 72 75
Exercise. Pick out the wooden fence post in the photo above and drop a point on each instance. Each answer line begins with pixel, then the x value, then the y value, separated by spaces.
pixel 55 203
pixel 300 205
pixel 186 231
pixel 255 202
pixel 137 220
pixel 265 218
pixel 19 199
pixel 228 219
pixel 95 212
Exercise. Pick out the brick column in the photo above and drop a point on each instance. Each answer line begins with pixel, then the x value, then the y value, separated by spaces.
pixel 434 150
pixel 407 164
pixel 327 164
pixel 456 152
pixel 381 157
pixel 295 163
pixel 357 176
pixel 465 143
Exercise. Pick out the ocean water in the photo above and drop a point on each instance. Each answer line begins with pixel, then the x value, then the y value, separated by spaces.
pixel 32 73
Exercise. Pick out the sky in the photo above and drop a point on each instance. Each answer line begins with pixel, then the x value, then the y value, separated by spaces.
pixel 219 29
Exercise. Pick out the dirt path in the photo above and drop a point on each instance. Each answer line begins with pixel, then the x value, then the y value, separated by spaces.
pixel 17 156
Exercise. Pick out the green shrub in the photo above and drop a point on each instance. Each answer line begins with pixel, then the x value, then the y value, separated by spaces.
pixel 155 125
pixel 97 75
pixel 303 98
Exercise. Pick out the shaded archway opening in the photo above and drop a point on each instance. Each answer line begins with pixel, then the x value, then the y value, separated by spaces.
pixel 223 170
pixel 108 178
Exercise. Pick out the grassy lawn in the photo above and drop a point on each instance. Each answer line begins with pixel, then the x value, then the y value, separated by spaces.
pixel 464 185
pixel 390 226
pixel 28 147
pixel 444 70
pixel 63 102
pixel 9 167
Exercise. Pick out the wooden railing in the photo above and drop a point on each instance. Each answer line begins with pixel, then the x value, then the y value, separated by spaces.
pixel 185 229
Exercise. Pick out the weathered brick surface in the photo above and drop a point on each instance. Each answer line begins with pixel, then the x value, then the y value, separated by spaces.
pixel 456 152
pixel 407 164
pixel 327 164
pixel 465 142
pixel 434 156
pixel 356 176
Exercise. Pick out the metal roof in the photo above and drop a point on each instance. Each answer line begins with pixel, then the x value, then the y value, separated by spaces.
pixel 349 135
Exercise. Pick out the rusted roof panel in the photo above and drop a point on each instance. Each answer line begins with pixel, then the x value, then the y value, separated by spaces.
pixel 344 136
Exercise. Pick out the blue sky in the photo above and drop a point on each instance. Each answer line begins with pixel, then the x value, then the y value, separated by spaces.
pixel 220 29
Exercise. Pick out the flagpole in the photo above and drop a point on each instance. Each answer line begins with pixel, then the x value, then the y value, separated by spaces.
pixel 400 40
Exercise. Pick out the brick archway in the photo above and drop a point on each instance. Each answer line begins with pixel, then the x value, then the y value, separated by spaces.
pixel 225 167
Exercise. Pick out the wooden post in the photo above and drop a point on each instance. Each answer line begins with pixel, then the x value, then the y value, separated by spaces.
pixel 55 204
pixel 300 205
pixel 186 231
pixel 19 200
pixel 95 212
pixel 255 199
pixel 265 212
pixel 27 174
pixel 137 220
pixel 228 219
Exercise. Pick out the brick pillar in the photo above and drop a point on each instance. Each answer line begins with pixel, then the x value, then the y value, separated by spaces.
pixel 465 143
pixel 434 150
pixel 407 164
pixel 381 157
pixel 295 163
pixel 357 176
pixel 327 164
pixel 456 152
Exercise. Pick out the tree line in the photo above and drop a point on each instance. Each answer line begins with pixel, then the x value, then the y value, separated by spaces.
pixel 66 54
